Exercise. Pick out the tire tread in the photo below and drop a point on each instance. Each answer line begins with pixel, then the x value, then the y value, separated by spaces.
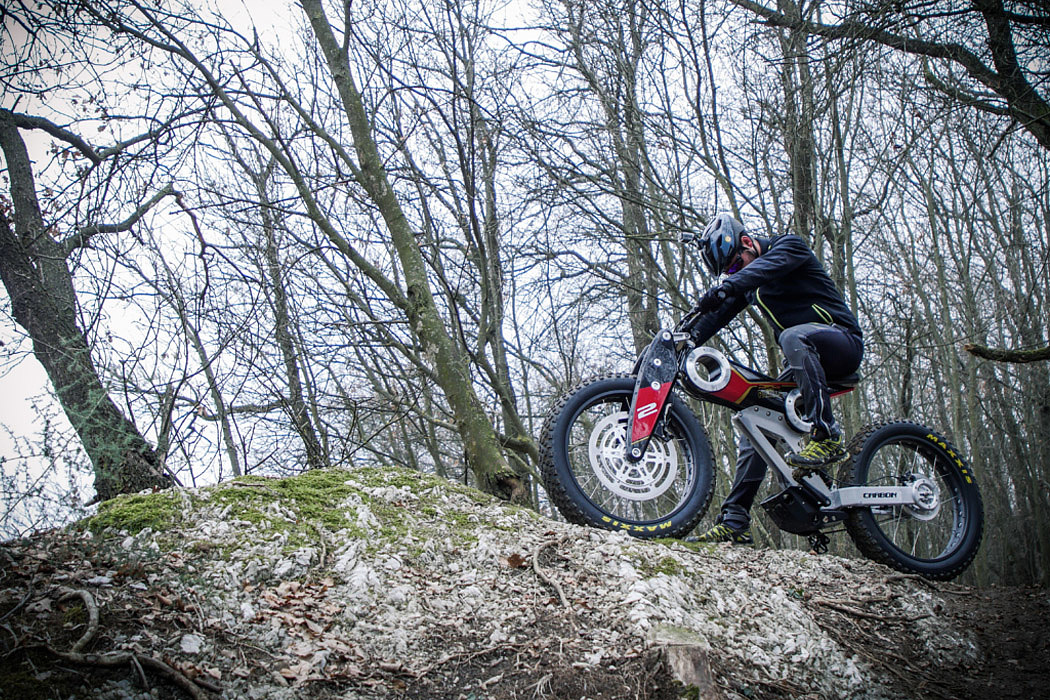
pixel 559 493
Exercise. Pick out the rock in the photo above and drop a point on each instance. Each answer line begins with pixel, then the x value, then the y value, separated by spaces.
pixel 191 644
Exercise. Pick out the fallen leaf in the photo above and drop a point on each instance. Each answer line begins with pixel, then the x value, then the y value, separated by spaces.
pixel 514 561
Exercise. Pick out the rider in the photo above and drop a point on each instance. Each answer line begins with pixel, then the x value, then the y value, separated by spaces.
pixel 816 330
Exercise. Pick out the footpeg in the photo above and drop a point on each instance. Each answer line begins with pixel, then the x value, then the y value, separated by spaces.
pixel 819 542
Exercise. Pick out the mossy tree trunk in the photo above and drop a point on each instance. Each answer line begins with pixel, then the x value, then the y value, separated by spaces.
pixel 448 359
pixel 34 269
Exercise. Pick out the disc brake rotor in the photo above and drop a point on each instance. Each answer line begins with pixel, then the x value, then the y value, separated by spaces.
pixel 644 480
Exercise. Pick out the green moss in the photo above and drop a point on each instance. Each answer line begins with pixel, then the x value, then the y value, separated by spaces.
pixel 136 512
pixel 301 508
pixel 669 566
pixel 74 614
pixel 391 476
pixel 528 512
pixel 315 494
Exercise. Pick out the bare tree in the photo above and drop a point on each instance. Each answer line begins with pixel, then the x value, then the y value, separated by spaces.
pixel 34 267
pixel 407 287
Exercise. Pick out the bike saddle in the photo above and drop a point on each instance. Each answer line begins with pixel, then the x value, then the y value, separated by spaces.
pixel 848 382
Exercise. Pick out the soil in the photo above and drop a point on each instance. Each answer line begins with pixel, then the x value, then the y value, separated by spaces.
pixel 1011 625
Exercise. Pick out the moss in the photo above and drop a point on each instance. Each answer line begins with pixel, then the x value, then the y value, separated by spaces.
pixel 528 512
pixel 315 494
pixel 300 508
pixel 74 614
pixel 389 476
pixel 669 566
pixel 136 512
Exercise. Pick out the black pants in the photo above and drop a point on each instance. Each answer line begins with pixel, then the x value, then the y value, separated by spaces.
pixel 814 353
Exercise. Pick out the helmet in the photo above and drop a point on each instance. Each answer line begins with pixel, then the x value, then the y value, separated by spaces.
pixel 720 242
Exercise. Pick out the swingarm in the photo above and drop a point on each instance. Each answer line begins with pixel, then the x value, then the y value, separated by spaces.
pixel 920 497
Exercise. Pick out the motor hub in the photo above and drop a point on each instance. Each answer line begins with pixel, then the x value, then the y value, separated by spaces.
pixel 928 497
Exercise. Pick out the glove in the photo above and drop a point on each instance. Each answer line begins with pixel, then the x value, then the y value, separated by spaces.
pixel 713 298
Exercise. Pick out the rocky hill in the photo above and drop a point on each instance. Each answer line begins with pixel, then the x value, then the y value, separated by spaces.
pixel 392 584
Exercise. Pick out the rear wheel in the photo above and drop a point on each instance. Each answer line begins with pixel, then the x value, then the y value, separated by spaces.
pixel 936 538
pixel 591 482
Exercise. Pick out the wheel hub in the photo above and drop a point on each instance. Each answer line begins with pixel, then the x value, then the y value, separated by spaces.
pixel 928 497
pixel 644 480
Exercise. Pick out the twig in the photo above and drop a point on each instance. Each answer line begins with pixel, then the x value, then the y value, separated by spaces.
pixel 543 575
pixel 207 685
pixel 461 655
pixel 537 687
pixel 835 605
pixel 92 610
pixel 911 577
pixel 782 686
pixel 12 611
pixel 142 673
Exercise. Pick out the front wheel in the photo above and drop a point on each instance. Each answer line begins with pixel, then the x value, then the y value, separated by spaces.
pixel 589 479
pixel 937 538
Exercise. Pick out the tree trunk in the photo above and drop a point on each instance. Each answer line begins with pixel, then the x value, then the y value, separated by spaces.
pixel 34 271
pixel 799 141
pixel 295 402
pixel 451 367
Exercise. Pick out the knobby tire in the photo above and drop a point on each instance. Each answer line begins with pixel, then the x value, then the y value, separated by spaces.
pixel 937 546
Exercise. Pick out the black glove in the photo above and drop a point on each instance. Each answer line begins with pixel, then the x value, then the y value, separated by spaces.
pixel 712 298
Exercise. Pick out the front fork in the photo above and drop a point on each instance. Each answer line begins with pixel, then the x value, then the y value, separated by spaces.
pixel 656 371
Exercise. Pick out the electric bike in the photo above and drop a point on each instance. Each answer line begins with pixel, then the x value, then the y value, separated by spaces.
pixel 626 452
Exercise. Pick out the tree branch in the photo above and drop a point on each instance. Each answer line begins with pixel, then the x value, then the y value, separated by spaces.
pixel 851 29
pixel 1025 104
pixel 84 235
pixel 25 121
pixel 28 121
pixel 1012 356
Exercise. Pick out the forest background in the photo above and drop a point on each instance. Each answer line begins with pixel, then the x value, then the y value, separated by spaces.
pixel 393 231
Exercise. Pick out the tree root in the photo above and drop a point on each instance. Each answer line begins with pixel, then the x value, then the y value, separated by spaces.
pixel 137 662
pixel 544 576
pixel 92 610
pixel 856 612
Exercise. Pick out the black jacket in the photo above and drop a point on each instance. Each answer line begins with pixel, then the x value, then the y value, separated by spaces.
pixel 788 284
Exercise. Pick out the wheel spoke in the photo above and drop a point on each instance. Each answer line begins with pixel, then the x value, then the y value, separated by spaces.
pixel 924 534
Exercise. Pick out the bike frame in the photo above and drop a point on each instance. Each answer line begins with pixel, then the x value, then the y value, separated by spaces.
pixel 767 414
